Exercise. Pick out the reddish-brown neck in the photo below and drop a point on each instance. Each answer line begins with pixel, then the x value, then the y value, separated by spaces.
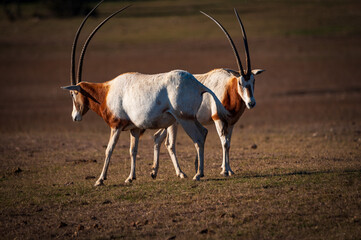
pixel 95 95
pixel 231 100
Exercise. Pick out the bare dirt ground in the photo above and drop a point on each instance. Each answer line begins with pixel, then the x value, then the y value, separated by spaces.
pixel 296 156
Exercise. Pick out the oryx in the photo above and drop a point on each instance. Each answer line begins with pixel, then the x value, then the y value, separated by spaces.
pixel 235 89
pixel 136 101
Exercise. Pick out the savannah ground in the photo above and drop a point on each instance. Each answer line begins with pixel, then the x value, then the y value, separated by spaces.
pixel 296 156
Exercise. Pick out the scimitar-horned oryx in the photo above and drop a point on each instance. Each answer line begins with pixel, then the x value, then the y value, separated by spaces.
pixel 235 89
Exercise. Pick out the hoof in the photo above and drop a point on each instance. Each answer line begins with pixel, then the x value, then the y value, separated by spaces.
pixel 196 178
pixel 130 179
pixel 99 183
pixel 230 173
pixel 224 173
pixel 182 175
pixel 153 175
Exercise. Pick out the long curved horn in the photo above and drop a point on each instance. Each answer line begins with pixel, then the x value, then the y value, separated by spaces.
pixel 81 59
pixel 239 63
pixel 248 59
pixel 72 61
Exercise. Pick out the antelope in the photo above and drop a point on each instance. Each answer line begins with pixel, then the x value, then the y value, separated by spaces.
pixel 235 89
pixel 136 102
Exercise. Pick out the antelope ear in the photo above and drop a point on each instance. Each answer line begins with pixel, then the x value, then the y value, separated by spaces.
pixel 72 88
pixel 257 71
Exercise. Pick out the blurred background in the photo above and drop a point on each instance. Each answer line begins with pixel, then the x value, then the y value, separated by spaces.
pixel 310 49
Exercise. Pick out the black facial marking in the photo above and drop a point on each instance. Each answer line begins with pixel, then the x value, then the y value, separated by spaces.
pixel 247 77
pixel 248 87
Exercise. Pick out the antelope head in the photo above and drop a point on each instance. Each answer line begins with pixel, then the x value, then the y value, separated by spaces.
pixel 80 106
pixel 79 96
pixel 246 79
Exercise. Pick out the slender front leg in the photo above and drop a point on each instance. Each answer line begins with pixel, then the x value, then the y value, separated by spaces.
pixel 226 143
pixel 114 136
pixel 134 139
pixel 158 138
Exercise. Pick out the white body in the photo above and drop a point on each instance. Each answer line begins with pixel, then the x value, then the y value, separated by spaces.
pixel 136 102
pixel 153 101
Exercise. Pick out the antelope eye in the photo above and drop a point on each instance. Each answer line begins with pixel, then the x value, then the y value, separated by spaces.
pixel 73 94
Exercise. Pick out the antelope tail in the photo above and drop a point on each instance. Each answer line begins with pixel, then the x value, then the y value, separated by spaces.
pixel 222 113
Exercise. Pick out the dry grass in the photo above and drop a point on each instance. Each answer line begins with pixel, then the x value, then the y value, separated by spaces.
pixel 294 185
